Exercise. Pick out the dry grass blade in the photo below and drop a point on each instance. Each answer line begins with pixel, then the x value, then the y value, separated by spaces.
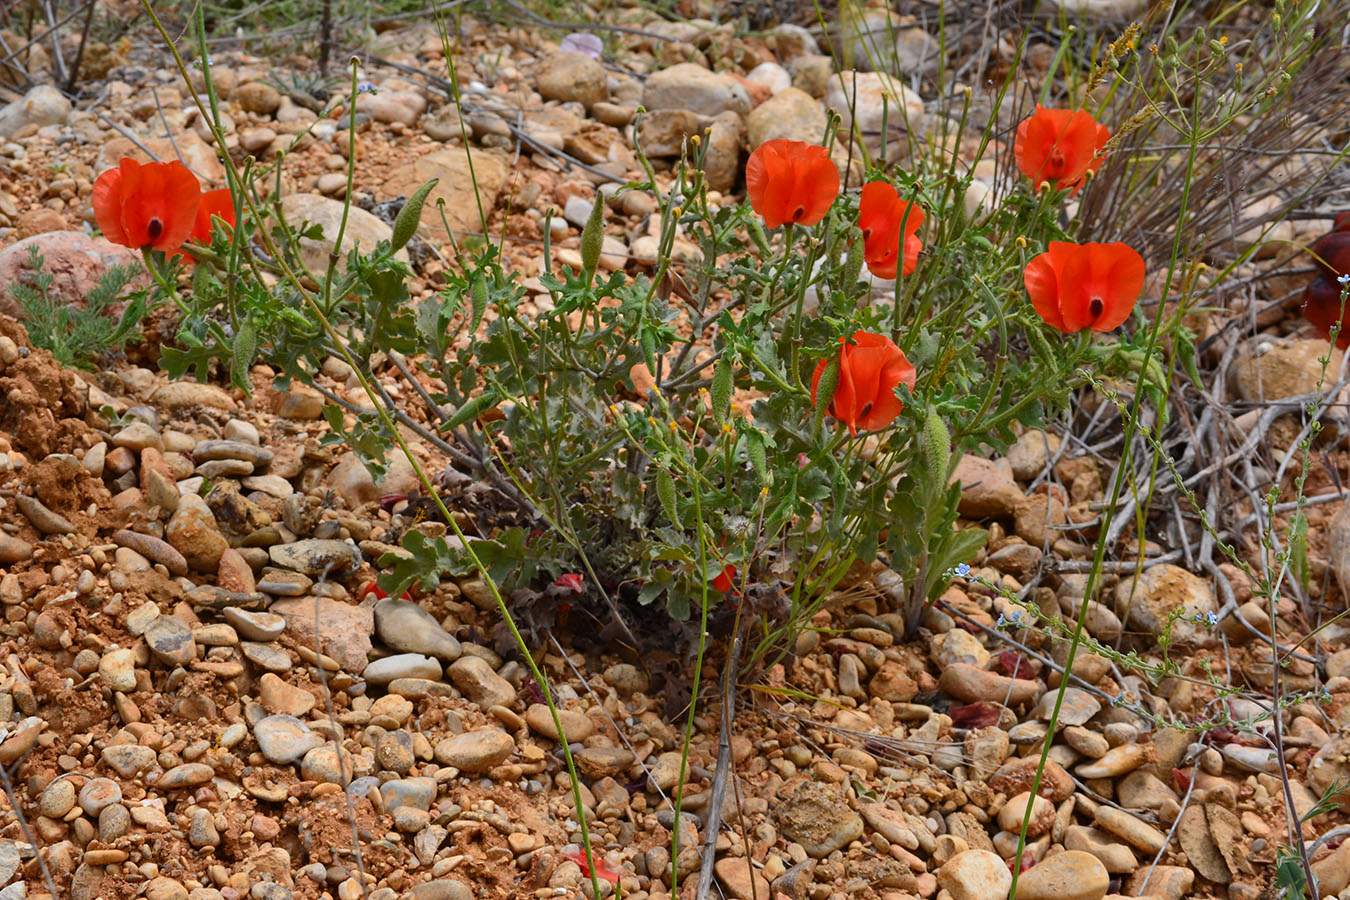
pixel 1249 175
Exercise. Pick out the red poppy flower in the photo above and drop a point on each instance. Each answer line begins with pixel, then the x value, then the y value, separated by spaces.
pixel 791 181
pixel 887 223
pixel 871 366
pixel 1059 145
pixel 1322 296
pixel 151 206
pixel 1077 286
pixel 726 580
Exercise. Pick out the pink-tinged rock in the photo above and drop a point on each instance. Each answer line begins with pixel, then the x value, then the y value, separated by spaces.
pixel 234 573
pixel 969 683
pixel 975 875
pixel 75 262
pixel 1071 875
pixel 987 488
pixel 344 629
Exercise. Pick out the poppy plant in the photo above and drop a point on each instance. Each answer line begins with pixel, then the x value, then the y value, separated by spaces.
pixel 1078 286
pixel 1322 296
pixel 888 224
pixel 791 181
pixel 147 207
pixel 725 580
pixel 1059 145
pixel 871 366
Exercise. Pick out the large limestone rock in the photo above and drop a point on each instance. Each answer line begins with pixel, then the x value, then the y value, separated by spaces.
pixel 364 230
pixel 457 185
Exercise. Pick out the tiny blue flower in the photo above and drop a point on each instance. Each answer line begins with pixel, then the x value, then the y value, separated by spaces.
pixel 365 87
pixel 1118 699
pixel 1211 619
pixel 1001 621
pixel 1324 696
pixel 1343 279
pixel 963 569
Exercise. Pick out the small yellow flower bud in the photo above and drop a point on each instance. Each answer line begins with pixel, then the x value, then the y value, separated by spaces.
pixel 1021 242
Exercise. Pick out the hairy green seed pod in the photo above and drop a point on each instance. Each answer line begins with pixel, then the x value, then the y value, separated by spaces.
pixel 937 445
pixel 853 265
pixel 665 490
pixel 756 229
pixel 721 389
pixel 593 235
pixel 1036 337
pixel 829 380
pixel 410 216
pixel 754 448
pixel 479 298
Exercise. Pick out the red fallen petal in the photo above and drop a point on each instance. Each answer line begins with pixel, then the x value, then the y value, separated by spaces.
pixel 1015 665
pixel 1322 307
pixel 1331 252
pixel 601 870
pixel 571 582
pixel 981 714
pixel 1182 780
pixel 372 588
pixel 725 581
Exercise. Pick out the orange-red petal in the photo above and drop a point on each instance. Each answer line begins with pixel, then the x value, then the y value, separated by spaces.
pixel 791 181
pixel 883 217
pixel 150 206
pixel 1060 146
pixel 218 204
pixel 871 366
pixel 1079 286
pixel 1099 285
pixel 1042 283
pixel 107 197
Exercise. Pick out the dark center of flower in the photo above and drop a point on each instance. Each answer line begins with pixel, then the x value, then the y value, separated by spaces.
pixel 867 408
pixel 801 211
pixel 1056 159
pixel 155 228
pixel 1096 306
